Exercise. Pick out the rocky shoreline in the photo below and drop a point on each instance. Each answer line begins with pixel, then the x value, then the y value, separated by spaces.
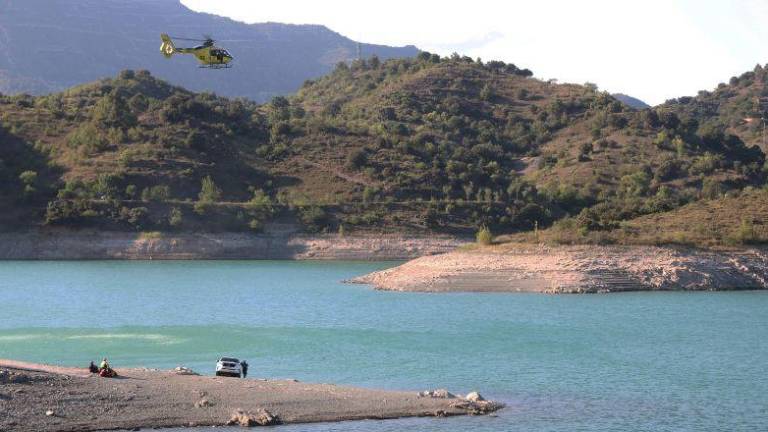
pixel 55 399
pixel 96 245
pixel 577 269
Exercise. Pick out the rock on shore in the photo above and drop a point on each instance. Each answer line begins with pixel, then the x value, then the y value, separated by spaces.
pixel 577 269
pixel 43 398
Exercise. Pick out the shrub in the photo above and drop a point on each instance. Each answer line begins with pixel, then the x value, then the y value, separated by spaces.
pixel 710 188
pixel 201 207
pixel 113 111
pixel 261 202
pixel 256 225
pixel 88 139
pixel 28 177
pixel 635 185
pixel 706 164
pixel 486 93
pixel 175 217
pixel 156 193
pixel 137 216
pixel 314 218
pixel 484 236
pixel 357 159
pixel 745 233
pixel 209 192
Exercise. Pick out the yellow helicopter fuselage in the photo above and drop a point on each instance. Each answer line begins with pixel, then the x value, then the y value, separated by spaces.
pixel 208 55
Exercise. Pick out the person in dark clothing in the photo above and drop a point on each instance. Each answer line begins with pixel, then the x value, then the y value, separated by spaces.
pixel 244 367
pixel 92 368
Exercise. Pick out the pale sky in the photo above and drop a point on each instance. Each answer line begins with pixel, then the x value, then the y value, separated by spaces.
pixel 650 49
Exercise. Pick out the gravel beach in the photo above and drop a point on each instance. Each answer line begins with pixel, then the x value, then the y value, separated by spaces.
pixel 39 397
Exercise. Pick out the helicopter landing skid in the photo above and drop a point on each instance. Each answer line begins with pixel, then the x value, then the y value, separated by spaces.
pixel 216 67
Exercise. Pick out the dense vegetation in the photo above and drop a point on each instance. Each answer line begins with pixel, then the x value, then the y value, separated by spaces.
pixel 428 143
pixel 740 106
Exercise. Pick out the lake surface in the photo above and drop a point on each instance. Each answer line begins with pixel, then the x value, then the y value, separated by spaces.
pixel 638 361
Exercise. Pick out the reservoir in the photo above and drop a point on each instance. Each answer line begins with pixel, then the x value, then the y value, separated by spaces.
pixel 634 361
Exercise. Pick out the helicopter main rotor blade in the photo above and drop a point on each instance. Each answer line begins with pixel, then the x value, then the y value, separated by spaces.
pixel 188 39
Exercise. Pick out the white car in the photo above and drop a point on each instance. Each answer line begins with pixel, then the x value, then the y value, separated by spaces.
pixel 228 366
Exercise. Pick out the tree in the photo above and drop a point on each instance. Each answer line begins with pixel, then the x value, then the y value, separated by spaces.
pixel 279 109
pixel 209 192
pixel 113 111
pixel 357 159
pixel 635 185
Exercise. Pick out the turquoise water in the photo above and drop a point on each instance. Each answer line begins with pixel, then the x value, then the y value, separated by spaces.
pixel 635 362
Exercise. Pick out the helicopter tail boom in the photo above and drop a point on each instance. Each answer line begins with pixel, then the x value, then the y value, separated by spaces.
pixel 167 48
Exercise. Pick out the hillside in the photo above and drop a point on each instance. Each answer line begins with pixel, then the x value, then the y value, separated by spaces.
pixel 739 218
pixel 741 106
pixel 50 45
pixel 424 144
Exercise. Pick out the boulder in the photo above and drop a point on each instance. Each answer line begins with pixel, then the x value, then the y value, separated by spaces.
pixel 183 370
pixel 474 397
pixel 437 394
pixel 261 417
pixel 203 403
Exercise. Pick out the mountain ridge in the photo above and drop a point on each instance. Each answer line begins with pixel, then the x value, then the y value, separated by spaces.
pixel 50 45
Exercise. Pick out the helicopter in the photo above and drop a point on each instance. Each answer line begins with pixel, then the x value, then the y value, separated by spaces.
pixel 208 54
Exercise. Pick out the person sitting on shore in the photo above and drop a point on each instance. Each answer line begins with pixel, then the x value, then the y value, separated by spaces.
pixel 104 364
pixel 244 367
pixel 92 368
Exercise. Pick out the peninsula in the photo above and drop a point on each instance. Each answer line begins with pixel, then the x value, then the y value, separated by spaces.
pixel 37 397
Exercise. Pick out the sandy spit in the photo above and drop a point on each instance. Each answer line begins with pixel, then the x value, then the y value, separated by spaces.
pixel 47 398
pixel 577 269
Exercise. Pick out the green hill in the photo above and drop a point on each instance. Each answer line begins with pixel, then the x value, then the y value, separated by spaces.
pixel 741 106
pixel 737 218
pixel 423 144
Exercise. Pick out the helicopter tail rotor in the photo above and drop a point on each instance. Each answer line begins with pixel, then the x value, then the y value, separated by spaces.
pixel 167 48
